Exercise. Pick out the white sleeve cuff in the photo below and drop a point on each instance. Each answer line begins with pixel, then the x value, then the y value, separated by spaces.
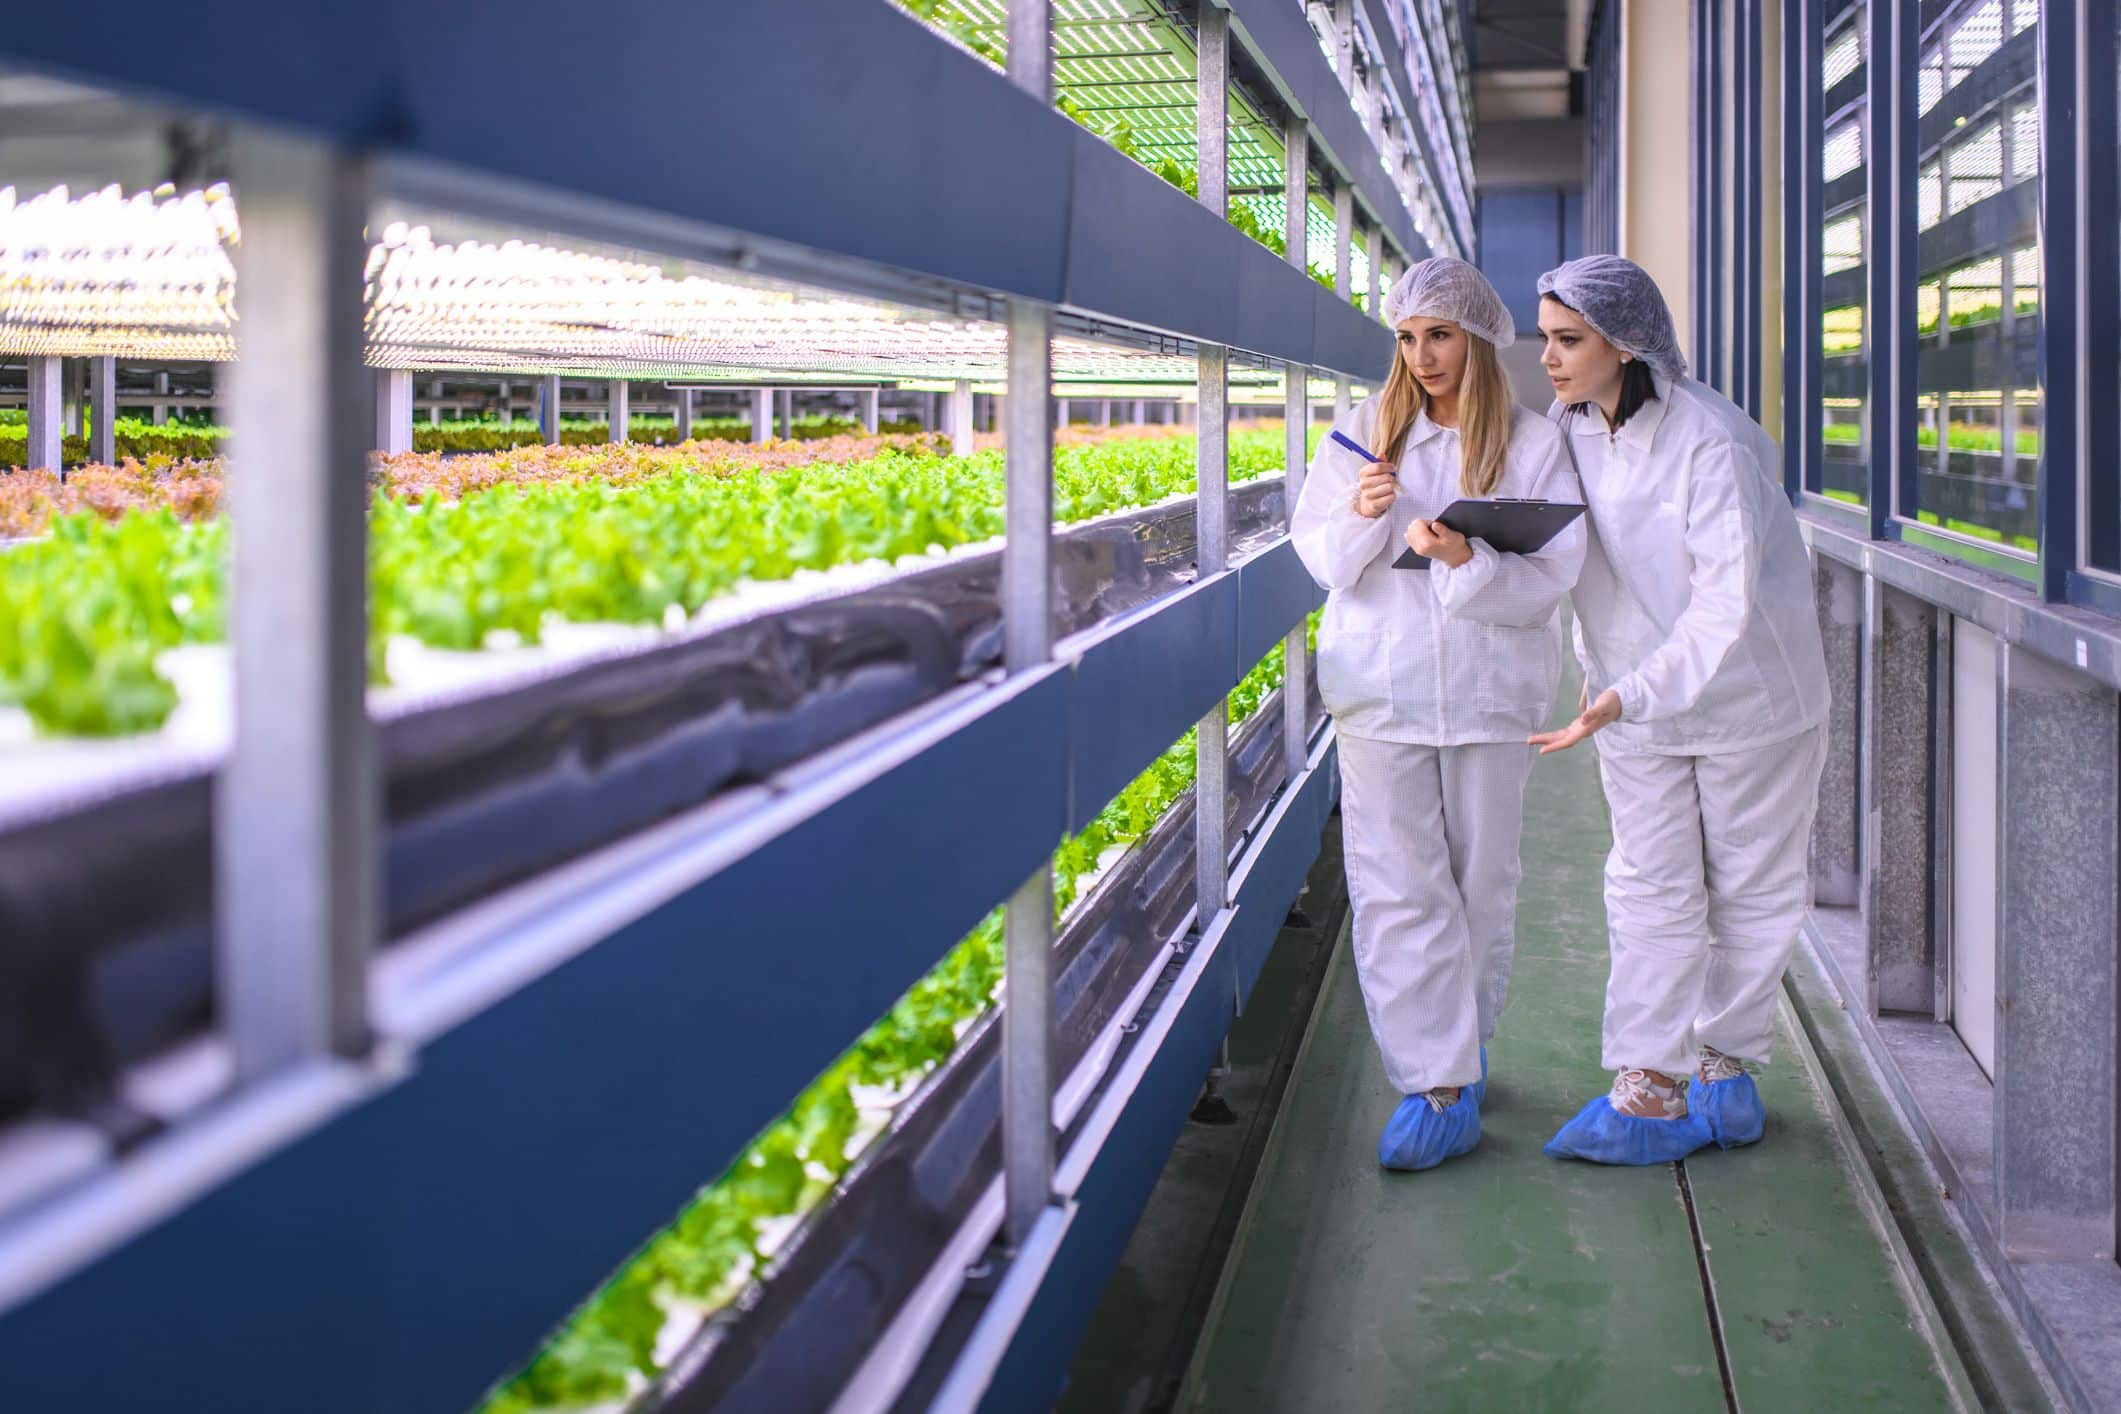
pixel 1629 689
pixel 1456 587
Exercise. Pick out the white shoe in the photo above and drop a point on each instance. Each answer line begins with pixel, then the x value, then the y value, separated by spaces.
pixel 1715 1066
pixel 1638 1096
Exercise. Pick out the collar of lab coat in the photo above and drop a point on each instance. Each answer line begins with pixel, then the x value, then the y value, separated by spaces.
pixel 1423 429
pixel 1640 430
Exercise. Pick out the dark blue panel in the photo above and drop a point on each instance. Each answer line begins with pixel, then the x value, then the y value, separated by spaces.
pixel 1138 691
pixel 1272 880
pixel 405 1255
pixel 1521 238
pixel 1344 339
pixel 1112 1196
pixel 1274 592
pixel 1571 227
pixel 1273 314
pixel 1141 249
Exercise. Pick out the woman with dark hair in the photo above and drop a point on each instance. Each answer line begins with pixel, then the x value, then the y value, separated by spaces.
pixel 1705 683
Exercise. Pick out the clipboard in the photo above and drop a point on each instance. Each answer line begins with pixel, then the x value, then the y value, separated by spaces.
pixel 1512 526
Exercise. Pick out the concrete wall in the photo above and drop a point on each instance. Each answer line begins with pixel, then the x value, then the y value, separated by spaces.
pixel 1656 209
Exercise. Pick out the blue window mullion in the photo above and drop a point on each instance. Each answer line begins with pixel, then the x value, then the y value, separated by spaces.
pixel 2099 267
pixel 1888 250
pixel 1716 136
pixel 2059 296
pixel 1800 338
pixel 1756 154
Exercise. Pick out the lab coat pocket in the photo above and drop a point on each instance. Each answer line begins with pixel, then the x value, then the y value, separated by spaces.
pixel 1353 674
pixel 1516 668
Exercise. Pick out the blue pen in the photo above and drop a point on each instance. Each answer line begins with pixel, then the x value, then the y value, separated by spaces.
pixel 1354 446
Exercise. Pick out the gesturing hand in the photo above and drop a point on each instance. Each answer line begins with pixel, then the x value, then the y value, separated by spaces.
pixel 1377 490
pixel 1602 713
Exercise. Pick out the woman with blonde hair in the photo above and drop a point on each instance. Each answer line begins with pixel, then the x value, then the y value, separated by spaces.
pixel 1435 677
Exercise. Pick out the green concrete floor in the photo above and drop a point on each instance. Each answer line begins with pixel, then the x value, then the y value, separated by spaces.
pixel 1510 1281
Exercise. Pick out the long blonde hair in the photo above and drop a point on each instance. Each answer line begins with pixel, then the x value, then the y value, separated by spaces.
pixel 1484 411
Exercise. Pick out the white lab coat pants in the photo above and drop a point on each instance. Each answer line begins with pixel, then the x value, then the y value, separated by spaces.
pixel 1431 835
pixel 1705 889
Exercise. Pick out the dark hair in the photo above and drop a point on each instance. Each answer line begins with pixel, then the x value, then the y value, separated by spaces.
pixel 1637 384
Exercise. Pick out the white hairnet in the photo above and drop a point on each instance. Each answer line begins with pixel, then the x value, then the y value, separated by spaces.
pixel 1618 298
pixel 1443 288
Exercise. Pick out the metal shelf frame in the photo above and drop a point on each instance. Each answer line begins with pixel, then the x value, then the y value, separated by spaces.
pixel 400 1195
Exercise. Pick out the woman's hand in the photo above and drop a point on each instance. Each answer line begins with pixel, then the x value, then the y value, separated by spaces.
pixel 1602 713
pixel 1439 542
pixel 1377 490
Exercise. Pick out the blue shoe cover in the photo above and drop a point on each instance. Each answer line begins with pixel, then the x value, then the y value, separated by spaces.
pixel 1603 1135
pixel 1418 1137
pixel 1731 1109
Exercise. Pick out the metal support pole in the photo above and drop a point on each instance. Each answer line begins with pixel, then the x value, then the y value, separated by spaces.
pixel 1027 590
pixel 296 805
pixel 1211 792
pixel 618 413
pixel 549 409
pixel 1374 247
pixel 434 401
pixel 76 380
pixel 786 397
pixel 161 413
pixel 1343 240
pixel 1104 412
pixel 46 416
pixel 761 415
pixel 393 411
pixel 103 410
pixel 1027 627
pixel 1296 180
pixel 683 413
pixel 961 418
pixel 1344 43
pixel 1212 100
pixel 870 414
pixel 1060 413
pixel 1296 657
pixel 1140 412
pixel 1212 554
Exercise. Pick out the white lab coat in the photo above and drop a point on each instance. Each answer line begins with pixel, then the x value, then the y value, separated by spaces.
pixel 1695 604
pixel 1435 657
pixel 1434 678
pixel 1696 608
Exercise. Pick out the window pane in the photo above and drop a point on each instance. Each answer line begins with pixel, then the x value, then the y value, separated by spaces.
pixel 1844 150
pixel 1844 55
pixel 1844 421
pixel 1977 291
